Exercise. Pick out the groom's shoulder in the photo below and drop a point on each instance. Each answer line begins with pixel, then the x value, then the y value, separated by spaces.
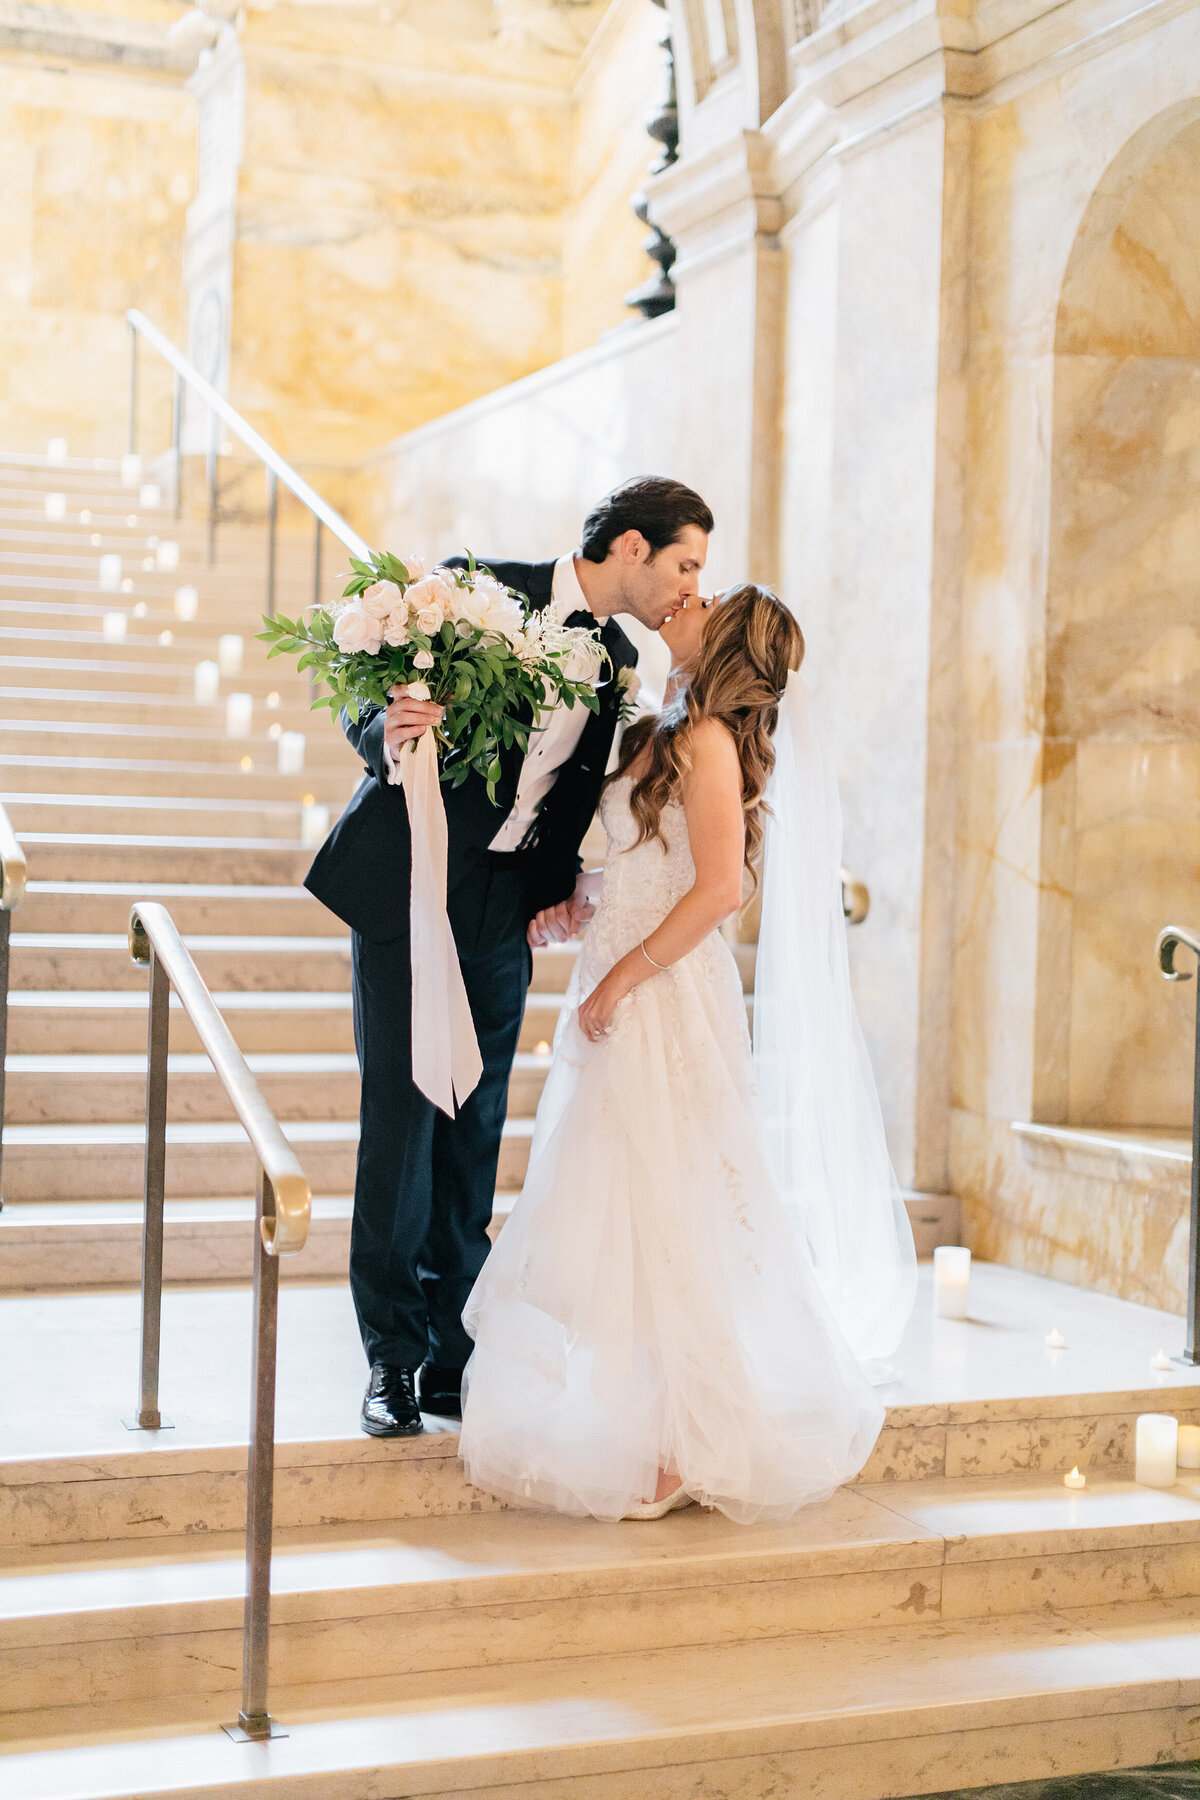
pixel 533 579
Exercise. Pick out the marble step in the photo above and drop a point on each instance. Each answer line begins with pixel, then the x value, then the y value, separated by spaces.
pixel 75 959
pixel 141 652
pixel 129 815
pixel 59 1022
pixel 973 1399
pixel 195 779
pixel 76 1089
pixel 204 1157
pixel 486 1589
pixel 69 906
pixel 52 1245
pixel 73 741
pixel 165 673
pixel 230 962
pixel 84 709
pixel 843 1714
pixel 199 856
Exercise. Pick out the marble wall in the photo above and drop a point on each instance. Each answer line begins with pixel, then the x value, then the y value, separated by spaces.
pixel 98 170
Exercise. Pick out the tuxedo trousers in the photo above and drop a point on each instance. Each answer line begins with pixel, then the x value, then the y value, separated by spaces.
pixel 425 1183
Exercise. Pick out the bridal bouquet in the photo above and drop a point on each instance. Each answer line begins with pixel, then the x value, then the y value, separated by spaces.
pixel 456 636
pixel 461 638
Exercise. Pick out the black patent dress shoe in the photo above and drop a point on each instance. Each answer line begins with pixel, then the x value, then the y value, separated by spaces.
pixel 389 1406
pixel 439 1391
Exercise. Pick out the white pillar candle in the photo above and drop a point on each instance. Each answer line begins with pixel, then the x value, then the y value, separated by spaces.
pixel 56 506
pixel 166 555
pixel 314 824
pixel 291 753
pixel 951 1280
pixel 131 469
pixel 186 602
pixel 239 711
pixel 1188 1453
pixel 56 450
pixel 230 650
pixel 150 494
pixel 207 680
pixel 113 626
pixel 110 573
pixel 1155 1450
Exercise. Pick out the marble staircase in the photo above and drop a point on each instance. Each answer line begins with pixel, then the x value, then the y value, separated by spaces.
pixel 121 785
pixel 954 1618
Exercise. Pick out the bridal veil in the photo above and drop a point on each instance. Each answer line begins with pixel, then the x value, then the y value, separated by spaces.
pixel 824 1128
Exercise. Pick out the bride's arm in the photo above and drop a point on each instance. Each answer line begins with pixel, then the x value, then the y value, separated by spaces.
pixel 712 802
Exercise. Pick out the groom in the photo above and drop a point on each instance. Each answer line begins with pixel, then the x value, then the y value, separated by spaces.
pixel 425 1183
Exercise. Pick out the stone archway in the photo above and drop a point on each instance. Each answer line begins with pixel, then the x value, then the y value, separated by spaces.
pixel 1121 834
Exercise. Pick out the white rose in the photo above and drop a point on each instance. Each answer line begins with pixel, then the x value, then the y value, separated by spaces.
pixel 395 627
pixel 354 629
pixel 378 599
pixel 430 619
pixel 491 608
pixel 415 566
pixel 416 690
pixel 423 659
pixel 584 661
pixel 436 590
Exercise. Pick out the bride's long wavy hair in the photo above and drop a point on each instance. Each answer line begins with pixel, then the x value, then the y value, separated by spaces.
pixel 750 644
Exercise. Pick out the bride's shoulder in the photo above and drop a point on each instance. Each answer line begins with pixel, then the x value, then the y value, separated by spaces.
pixel 713 744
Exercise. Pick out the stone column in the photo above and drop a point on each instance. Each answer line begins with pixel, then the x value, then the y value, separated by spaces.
pixel 723 212
pixel 219 88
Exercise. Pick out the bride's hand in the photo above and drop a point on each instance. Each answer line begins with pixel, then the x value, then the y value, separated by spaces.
pixel 596 1013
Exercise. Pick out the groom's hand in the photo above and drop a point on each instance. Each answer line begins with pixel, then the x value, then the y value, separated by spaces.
pixel 406 718
pixel 559 924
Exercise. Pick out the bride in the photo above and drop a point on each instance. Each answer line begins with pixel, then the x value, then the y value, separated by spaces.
pixel 682 1302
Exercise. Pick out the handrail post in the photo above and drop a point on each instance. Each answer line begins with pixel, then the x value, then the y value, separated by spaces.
pixel 254 1721
pixel 272 527
pixel 177 443
pixel 133 389
pixel 157 1029
pixel 1170 940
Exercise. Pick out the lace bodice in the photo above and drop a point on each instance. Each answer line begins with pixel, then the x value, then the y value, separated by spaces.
pixel 642 882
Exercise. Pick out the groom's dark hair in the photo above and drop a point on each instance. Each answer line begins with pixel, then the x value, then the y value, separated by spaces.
pixel 653 504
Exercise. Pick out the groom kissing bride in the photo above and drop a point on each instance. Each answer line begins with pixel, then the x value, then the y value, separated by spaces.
pixel 424 1186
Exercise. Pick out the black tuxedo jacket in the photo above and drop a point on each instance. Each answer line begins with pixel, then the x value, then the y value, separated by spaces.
pixel 361 871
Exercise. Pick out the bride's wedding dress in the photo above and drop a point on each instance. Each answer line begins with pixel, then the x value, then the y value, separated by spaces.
pixel 650 1302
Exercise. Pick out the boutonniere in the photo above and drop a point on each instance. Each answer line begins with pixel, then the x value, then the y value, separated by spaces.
pixel 629 686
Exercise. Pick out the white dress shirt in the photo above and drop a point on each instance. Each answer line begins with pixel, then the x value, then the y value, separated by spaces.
pixel 555 740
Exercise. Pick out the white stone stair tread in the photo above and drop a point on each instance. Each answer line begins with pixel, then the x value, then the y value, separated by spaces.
pixel 262 1062
pixel 148 803
pixel 535 1722
pixel 248 1000
pixel 127 840
pixel 496 1558
pixel 201 1131
pixel 173 890
pixel 252 945
pixel 484 1558
pixel 1152 1143
pixel 80 1215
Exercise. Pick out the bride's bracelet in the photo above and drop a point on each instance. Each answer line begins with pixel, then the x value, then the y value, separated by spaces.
pixel 661 967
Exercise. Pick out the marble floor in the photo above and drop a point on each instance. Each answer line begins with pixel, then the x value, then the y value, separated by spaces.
pixel 70 1360
pixel 1180 1781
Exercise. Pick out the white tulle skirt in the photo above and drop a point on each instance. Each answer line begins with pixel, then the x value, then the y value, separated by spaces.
pixel 648 1304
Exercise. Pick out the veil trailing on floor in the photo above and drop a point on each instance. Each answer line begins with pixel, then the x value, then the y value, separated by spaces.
pixel 824 1129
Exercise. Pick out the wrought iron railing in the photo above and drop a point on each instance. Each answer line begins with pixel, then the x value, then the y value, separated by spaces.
pixel 284 1206
pixel 12 890
pixel 1172 939
pixel 188 376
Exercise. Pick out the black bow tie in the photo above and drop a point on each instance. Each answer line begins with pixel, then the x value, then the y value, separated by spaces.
pixel 582 617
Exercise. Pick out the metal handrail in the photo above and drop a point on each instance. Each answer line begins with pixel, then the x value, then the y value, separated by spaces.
pixel 12 892
pixel 282 1214
pixel 277 470
pixel 1171 939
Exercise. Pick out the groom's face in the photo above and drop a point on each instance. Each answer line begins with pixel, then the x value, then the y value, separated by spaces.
pixel 658 583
